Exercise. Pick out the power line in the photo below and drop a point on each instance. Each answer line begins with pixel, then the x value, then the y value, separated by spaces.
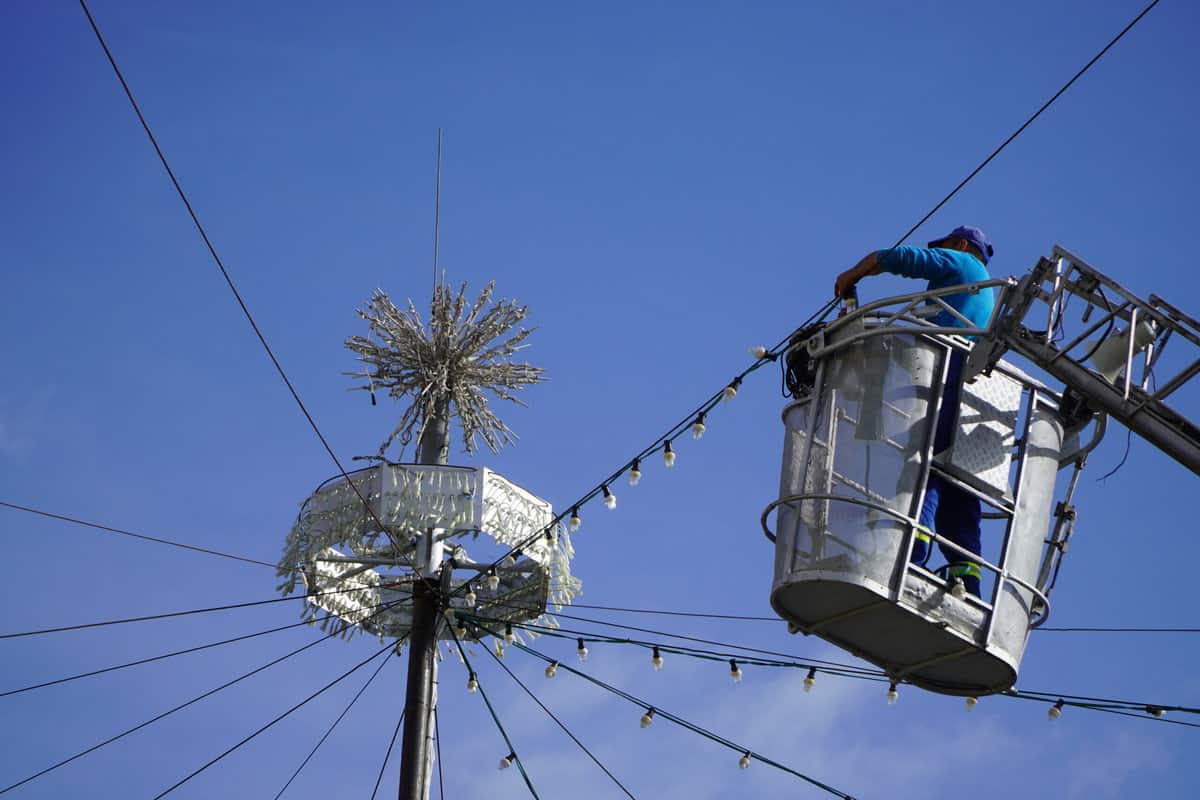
pixel 560 724
pixel 323 689
pixel 345 711
pixel 1120 630
pixel 1027 123
pixel 437 744
pixel 132 534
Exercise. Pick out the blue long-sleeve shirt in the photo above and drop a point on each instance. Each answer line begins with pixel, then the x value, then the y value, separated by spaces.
pixel 942 268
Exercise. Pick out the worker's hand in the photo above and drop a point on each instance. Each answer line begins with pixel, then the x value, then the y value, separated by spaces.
pixel 844 285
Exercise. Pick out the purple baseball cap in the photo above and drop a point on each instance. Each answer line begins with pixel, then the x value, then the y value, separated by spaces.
pixel 972 235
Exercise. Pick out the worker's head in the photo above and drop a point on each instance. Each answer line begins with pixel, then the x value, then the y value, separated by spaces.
pixel 967 239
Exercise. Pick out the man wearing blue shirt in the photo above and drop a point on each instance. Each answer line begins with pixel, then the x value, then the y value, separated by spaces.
pixel 958 258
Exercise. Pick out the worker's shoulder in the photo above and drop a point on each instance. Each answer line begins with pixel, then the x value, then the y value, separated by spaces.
pixel 964 265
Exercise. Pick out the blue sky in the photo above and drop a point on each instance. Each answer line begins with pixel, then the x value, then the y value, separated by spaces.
pixel 664 184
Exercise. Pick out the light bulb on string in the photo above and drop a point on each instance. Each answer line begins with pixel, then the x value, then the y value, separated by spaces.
pixel 758 351
pixel 508 760
pixel 493 580
pixel 656 659
pixel 470 596
pixel 472 683
pixel 498 648
pixel 508 560
pixel 575 520
pixel 647 718
pixel 509 636
pixel 460 630
pixel 1156 712
pixel 744 761
pixel 892 695
pixel 730 391
pixel 810 679
pixel 551 669
pixel 735 672
pixel 971 703
pixel 635 472
pixel 581 650
pixel 698 426
pixel 668 454
pixel 610 499
pixel 1055 710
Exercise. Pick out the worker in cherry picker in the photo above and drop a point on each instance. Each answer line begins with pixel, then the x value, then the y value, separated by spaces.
pixel 958 258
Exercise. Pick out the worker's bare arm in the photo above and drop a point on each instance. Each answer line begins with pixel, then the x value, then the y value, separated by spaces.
pixel 845 282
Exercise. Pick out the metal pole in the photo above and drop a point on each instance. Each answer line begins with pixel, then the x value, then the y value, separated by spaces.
pixel 421 693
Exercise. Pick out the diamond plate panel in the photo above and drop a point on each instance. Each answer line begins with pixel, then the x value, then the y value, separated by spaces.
pixel 987 418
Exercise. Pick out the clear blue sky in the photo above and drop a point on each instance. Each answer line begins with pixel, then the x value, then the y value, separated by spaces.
pixel 664 185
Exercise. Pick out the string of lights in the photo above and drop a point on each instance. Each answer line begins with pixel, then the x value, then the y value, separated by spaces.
pixel 331 728
pixel 1156 711
pixel 651 712
pixel 473 686
pixel 63 762
pixel 560 724
pixel 387 648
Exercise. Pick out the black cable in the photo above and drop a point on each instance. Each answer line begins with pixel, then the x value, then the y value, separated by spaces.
pixel 335 681
pixel 388 755
pixel 225 273
pixel 1119 630
pixel 151 659
pixel 345 711
pixel 171 614
pixel 179 707
pixel 1027 123
pixel 437 745
pixel 560 724
pixel 677 613
pixel 109 529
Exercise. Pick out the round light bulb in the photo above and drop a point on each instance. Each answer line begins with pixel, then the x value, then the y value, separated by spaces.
pixel 971 703
pixel 509 636
pixel 758 351
pixel 575 520
pixel 1055 711
pixel 470 596
pixel 744 761
pixel 507 761
pixel 508 560
pixel 1156 712
pixel 635 473
pixel 610 499
pixel 892 695
pixel 668 455
pixel 582 650
pixel 656 660
pixel 698 427
pixel 735 671
pixel 551 669
pixel 493 581
pixel 460 630
pixel 810 679
pixel 730 391
pixel 647 718
pixel 472 683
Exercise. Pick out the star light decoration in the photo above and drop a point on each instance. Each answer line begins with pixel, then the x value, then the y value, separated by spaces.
pixel 457 358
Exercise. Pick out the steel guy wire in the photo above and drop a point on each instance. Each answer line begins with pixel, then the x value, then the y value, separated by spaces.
pixel 560 724
pixel 229 279
pixel 437 746
pixel 386 648
pixel 512 751
pixel 340 717
pixel 151 659
pixel 142 536
pixel 179 707
pixel 170 614
pixel 388 754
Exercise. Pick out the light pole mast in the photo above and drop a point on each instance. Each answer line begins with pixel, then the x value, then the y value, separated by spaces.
pixel 421 692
